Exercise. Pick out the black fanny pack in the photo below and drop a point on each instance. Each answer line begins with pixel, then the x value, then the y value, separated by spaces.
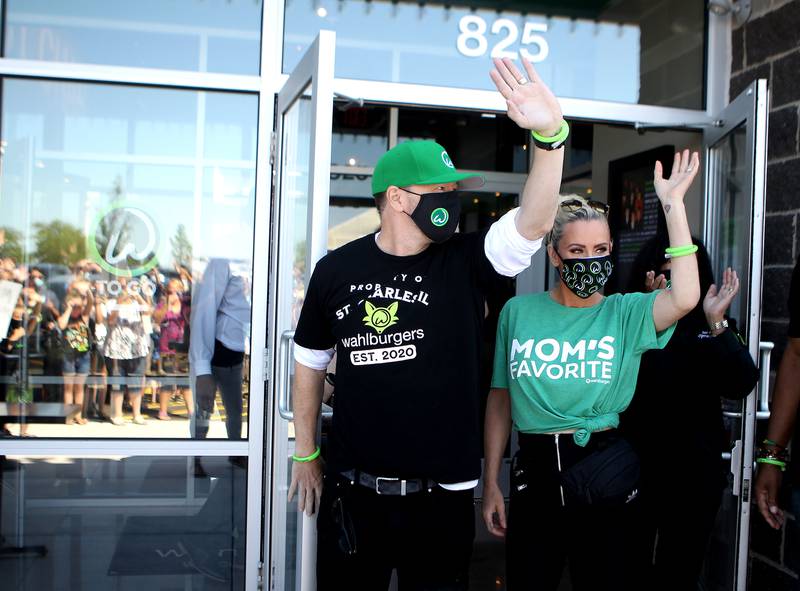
pixel 609 475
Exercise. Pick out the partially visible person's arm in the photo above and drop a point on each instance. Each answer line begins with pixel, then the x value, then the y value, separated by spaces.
pixel 306 404
pixel 786 398
pixel 63 320
pixel 532 106
pixel 496 432
pixel 723 362
pixel 673 304
pixel 207 299
pixel 313 351
pixel 515 238
pixel 783 411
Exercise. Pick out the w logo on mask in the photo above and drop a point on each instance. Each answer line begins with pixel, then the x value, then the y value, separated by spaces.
pixel 439 217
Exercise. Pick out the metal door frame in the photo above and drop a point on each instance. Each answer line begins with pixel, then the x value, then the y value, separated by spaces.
pixel 750 108
pixel 315 70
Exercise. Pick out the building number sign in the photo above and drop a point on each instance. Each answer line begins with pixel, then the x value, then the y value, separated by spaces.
pixel 473 42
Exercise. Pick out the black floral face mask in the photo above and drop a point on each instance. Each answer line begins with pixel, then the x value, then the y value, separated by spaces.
pixel 585 276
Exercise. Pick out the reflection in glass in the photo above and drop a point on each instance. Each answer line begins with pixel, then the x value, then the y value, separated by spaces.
pixel 475 141
pixel 125 523
pixel 296 145
pixel 734 217
pixel 116 202
pixel 360 134
pixel 294 196
pixel 211 36
pixel 731 247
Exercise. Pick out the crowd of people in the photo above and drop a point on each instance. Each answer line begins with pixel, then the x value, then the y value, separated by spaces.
pixel 85 338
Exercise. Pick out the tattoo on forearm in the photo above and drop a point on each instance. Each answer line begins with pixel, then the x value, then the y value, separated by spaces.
pixel 667 207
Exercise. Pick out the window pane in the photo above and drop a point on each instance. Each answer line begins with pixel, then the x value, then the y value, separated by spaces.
pixel 474 141
pixel 124 523
pixel 633 52
pixel 127 239
pixel 209 36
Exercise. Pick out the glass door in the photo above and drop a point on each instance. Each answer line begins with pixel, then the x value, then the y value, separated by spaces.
pixel 734 231
pixel 299 233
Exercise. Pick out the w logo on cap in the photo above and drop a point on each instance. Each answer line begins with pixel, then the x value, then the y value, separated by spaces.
pixel 446 159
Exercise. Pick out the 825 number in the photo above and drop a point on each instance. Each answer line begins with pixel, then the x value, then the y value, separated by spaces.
pixel 472 41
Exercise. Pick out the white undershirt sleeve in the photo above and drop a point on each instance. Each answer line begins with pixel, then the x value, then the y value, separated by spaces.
pixel 509 251
pixel 460 485
pixel 312 358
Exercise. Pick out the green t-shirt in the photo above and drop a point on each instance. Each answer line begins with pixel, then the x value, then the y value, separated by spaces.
pixel 573 368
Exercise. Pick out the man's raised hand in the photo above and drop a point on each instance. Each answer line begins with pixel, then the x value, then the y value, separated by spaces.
pixel 531 104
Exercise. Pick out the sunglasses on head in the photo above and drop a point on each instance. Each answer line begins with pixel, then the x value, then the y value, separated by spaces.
pixel 572 205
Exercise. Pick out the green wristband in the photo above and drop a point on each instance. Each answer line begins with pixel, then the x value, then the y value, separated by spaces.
pixel 680 251
pixel 310 458
pixel 558 138
pixel 773 443
pixel 778 463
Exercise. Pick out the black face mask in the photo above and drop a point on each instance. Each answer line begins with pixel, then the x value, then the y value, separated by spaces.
pixel 586 276
pixel 437 214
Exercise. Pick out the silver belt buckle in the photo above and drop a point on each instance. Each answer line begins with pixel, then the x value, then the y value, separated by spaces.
pixel 387 479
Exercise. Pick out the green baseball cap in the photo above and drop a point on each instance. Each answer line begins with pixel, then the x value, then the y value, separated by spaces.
pixel 419 162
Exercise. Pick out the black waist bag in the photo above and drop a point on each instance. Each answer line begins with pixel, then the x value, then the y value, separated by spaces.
pixel 607 476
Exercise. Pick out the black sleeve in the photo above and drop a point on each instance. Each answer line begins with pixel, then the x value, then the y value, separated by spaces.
pixel 314 325
pixel 725 366
pixel 485 276
pixel 794 302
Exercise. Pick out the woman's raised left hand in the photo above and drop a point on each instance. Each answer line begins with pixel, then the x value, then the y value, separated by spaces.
pixel 684 169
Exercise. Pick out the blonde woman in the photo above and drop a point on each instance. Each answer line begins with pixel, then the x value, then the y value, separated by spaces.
pixel 565 367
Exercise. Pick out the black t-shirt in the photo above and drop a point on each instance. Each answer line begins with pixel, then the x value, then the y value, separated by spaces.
pixel 407 331
pixel 794 302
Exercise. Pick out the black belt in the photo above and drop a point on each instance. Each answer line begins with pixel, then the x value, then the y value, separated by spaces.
pixel 385 485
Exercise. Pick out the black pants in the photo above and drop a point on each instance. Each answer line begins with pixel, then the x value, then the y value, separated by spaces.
pixel 426 536
pixel 597 542
pixel 677 525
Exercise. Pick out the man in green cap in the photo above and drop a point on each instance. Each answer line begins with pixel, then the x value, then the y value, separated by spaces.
pixel 403 308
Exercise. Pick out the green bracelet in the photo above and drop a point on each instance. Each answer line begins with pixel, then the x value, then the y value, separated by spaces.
pixel 778 463
pixel 563 133
pixel 680 251
pixel 310 458
pixel 773 443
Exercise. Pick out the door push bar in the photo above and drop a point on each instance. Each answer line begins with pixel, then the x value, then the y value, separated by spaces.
pixel 283 380
pixel 762 412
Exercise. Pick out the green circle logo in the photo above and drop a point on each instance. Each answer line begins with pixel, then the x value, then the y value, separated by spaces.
pixel 123 240
pixel 439 217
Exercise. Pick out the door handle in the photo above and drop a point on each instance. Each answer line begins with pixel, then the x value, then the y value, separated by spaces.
pixel 736 462
pixel 283 383
pixel 765 349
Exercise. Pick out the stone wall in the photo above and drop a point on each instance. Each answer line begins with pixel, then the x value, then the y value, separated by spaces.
pixel 768 46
